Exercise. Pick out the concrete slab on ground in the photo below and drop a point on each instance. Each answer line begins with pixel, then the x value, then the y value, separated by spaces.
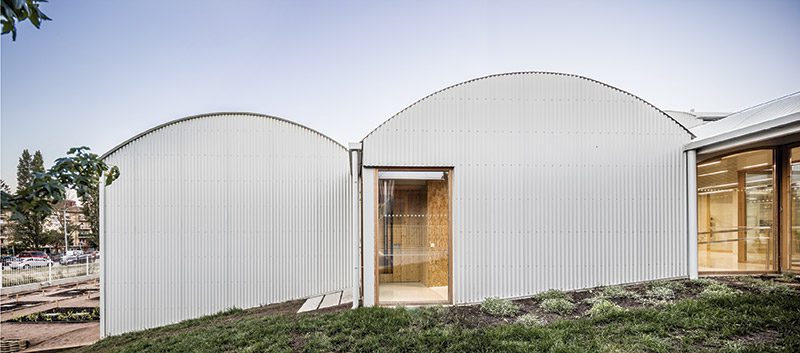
pixel 330 300
pixel 311 304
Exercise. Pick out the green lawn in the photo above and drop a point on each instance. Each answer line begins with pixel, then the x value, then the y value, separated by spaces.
pixel 739 315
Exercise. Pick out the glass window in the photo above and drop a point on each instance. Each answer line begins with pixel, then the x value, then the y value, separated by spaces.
pixel 794 208
pixel 735 202
pixel 413 237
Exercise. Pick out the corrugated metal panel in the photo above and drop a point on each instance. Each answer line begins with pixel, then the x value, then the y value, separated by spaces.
pixel 221 211
pixel 559 182
pixel 761 113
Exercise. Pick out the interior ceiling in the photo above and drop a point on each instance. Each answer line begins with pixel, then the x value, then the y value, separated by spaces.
pixel 723 173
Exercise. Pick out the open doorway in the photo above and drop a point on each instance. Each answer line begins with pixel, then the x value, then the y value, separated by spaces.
pixel 413 237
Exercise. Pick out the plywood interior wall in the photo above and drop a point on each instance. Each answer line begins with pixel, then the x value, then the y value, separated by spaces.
pixel 438 234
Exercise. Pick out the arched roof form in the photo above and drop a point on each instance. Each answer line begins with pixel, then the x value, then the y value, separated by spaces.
pixel 555 178
pixel 216 114
pixel 529 74
pixel 222 210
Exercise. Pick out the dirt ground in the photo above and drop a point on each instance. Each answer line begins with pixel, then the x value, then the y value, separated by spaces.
pixel 44 336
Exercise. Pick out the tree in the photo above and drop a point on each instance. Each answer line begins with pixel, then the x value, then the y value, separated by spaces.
pixel 24 174
pixel 80 170
pixel 91 210
pixel 29 229
pixel 14 11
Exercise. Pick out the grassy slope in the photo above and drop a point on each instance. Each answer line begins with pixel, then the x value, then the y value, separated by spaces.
pixel 746 322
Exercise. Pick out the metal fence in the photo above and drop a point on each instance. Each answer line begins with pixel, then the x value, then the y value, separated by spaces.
pixel 48 272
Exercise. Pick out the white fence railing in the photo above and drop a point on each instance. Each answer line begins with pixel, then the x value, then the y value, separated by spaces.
pixel 48 273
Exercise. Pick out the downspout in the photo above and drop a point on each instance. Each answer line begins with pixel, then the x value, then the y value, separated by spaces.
pixel 691 211
pixel 355 218
pixel 101 185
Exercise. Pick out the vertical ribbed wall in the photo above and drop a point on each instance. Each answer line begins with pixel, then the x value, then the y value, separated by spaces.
pixel 558 182
pixel 221 211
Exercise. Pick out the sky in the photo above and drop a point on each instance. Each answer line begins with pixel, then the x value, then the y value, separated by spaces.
pixel 103 71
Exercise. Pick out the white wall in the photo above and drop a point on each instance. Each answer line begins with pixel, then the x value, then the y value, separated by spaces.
pixel 221 211
pixel 559 182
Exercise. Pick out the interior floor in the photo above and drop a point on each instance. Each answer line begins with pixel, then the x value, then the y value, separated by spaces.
pixel 411 292
pixel 715 261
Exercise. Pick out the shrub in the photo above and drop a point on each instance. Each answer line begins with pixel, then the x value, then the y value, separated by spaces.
pixel 604 307
pixel 552 294
pixel 655 302
pixel 764 286
pixel 530 320
pixel 787 277
pixel 717 290
pixel 559 306
pixel 617 292
pixel 674 286
pixel 499 307
pixel 704 281
pixel 660 293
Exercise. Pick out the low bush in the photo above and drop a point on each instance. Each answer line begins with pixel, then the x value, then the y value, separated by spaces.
pixel 660 293
pixel 718 290
pixel 552 294
pixel 559 306
pixel 704 281
pixel 499 307
pixel 530 320
pixel 674 286
pixel 604 307
pixel 787 277
pixel 617 292
pixel 764 286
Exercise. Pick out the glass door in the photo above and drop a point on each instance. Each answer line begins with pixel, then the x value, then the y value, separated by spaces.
pixel 413 237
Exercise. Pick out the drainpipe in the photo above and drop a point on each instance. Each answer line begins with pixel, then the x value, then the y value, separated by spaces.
pixel 355 218
pixel 691 211
pixel 101 185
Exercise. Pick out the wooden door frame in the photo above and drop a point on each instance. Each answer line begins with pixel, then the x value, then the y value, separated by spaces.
pixel 376 273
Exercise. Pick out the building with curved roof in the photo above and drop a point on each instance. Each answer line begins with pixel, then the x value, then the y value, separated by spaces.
pixel 501 186
pixel 222 210
pixel 550 181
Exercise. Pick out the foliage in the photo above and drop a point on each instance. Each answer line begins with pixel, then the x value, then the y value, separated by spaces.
pixel 499 307
pixel 604 307
pixel 80 170
pixel 69 315
pixel 530 320
pixel 660 293
pixel 787 277
pixel 704 281
pixel 28 225
pixel 674 286
pixel 552 294
pixel 14 11
pixel 718 290
pixel 559 306
pixel 763 286
pixel 691 325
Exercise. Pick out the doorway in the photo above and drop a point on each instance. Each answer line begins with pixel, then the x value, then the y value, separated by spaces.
pixel 413 237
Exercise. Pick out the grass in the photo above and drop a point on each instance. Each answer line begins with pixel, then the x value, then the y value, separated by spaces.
pixel 739 321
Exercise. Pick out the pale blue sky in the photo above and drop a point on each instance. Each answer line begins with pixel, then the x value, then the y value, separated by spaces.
pixel 103 71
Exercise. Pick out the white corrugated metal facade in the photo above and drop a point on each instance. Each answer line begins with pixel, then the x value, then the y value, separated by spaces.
pixel 558 182
pixel 218 211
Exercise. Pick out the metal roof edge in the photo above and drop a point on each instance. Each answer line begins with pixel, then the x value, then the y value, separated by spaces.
pixel 744 132
pixel 205 115
pixel 530 73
